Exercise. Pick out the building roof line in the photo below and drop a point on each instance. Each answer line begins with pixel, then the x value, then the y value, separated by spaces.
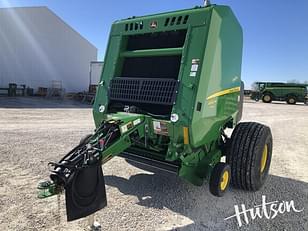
pixel 71 28
pixel 21 7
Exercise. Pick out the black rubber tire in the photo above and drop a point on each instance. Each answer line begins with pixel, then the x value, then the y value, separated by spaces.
pixel 291 99
pixel 265 96
pixel 85 138
pixel 216 178
pixel 245 153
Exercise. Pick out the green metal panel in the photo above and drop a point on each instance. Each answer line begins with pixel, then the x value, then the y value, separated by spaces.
pixel 153 52
pixel 221 70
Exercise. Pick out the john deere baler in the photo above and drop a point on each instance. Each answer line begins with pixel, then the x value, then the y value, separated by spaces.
pixel 170 86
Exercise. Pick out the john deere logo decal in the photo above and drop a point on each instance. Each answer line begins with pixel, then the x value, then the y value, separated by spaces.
pixel 153 24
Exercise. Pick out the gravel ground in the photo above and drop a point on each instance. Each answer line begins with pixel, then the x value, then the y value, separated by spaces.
pixel 36 131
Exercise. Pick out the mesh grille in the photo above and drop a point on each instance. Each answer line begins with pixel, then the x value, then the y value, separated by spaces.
pixel 143 90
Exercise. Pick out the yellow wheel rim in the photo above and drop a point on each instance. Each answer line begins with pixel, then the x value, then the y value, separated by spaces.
pixel 224 180
pixel 267 98
pixel 264 158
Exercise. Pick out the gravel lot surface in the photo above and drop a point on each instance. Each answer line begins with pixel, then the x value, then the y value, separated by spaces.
pixel 36 131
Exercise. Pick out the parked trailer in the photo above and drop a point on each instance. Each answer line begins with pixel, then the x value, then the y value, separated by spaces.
pixel 289 92
pixel 95 72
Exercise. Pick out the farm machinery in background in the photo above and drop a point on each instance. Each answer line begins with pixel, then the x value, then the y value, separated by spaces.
pixel 170 87
pixel 292 93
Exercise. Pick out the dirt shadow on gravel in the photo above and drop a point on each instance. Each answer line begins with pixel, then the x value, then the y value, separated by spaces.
pixel 275 103
pixel 297 104
pixel 208 212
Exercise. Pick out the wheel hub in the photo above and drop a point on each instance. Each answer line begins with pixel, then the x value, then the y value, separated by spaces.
pixel 224 180
pixel 267 98
pixel 264 158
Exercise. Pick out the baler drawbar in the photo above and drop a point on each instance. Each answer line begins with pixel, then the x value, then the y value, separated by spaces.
pixel 80 173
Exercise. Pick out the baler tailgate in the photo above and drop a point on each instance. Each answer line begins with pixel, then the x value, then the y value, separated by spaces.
pixel 144 90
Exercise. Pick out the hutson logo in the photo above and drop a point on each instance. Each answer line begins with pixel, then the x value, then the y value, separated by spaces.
pixel 267 210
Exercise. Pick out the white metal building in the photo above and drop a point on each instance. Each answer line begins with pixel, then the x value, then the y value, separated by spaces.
pixel 37 47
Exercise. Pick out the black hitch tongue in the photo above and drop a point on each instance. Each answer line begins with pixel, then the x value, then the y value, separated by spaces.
pixel 80 173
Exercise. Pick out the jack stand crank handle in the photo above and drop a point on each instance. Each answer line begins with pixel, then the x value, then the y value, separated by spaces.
pixel 92 224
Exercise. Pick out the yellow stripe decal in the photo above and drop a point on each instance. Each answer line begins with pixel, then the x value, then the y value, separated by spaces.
pixel 225 92
pixel 185 134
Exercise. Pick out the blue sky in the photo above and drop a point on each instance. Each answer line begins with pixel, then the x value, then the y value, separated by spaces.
pixel 275 31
